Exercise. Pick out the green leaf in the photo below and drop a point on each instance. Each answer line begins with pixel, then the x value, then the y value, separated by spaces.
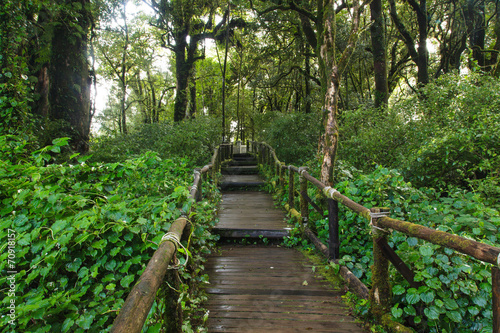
pixel 126 281
pixel 410 310
pixel 412 296
pixel 100 244
pixel 398 290
pixel 454 316
pixel 426 250
pixel 480 301
pixel 450 304
pixel 396 312
pixel 85 320
pixel 427 297
pixel 67 324
pixel 431 312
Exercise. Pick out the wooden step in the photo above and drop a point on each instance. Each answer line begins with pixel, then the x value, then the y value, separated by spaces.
pixel 271 289
pixel 240 170
pixel 239 181
pixel 250 214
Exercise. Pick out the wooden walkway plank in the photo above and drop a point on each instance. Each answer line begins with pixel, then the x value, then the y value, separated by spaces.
pixel 265 288
pixel 250 214
pixel 269 288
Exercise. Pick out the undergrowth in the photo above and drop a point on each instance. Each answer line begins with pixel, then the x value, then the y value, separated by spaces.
pixel 82 233
pixel 455 295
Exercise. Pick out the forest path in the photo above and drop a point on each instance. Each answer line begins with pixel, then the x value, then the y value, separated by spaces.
pixel 265 288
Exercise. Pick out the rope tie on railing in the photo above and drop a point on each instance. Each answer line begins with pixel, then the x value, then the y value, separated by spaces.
pixel 172 237
pixel 377 215
pixel 329 191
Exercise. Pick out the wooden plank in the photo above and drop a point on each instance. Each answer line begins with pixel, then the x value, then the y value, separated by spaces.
pixel 263 289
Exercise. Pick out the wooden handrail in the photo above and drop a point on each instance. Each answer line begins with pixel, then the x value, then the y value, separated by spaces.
pixel 138 303
pixel 474 249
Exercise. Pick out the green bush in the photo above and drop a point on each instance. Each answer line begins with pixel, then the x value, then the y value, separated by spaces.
pixel 83 234
pixel 193 140
pixel 294 136
pixel 446 135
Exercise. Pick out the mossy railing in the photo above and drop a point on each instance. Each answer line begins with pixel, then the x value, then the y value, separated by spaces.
pixel 137 306
pixel 380 294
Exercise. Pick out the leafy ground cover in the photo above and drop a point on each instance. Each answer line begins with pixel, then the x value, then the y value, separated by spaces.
pixel 455 295
pixel 83 233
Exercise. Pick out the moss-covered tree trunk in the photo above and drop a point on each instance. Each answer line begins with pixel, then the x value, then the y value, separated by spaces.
pixel 182 76
pixel 69 91
pixel 331 70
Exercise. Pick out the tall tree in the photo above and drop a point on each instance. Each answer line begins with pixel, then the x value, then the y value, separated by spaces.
pixel 417 51
pixel 377 29
pixel 114 49
pixel 319 26
pixel 183 29
pixel 69 77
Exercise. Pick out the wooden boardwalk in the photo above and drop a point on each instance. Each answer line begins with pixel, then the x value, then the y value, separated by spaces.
pixel 271 289
pixel 265 288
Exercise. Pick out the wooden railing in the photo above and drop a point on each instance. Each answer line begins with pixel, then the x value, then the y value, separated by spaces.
pixel 382 252
pixel 135 310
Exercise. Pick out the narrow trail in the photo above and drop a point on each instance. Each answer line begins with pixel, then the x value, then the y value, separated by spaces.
pixel 265 288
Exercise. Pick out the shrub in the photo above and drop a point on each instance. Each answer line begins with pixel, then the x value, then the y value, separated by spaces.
pixel 83 234
pixel 193 140
pixel 294 136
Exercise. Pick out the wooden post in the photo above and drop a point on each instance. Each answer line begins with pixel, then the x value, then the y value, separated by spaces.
pixel 381 292
pixel 277 169
pixel 215 165
pixel 172 319
pixel 495 281
pixel 304 206
pixel 333 229
pixel 282 179
pixel 199 193
pixel 291 181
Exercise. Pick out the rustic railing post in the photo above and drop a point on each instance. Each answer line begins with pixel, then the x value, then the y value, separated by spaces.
pixel 291 192
pixel 304 206
pixel 173 311
pixel 282 178
pixel 277 170
pixel 333 229
pixel 199 194
pixel 381 292
pixel 495 282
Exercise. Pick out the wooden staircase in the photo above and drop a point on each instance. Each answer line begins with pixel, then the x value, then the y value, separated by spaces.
pixel 265 288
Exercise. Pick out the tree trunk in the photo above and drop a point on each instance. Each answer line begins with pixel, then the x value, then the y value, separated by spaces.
pixel 69 94
pixel 379 53
pixel 330 85
pixel 182 75
pixel 423 53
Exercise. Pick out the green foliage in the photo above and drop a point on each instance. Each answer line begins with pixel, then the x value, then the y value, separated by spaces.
pixel 456 290
pixel 14 80
pixel 193 139
pixel 84 233
pixel 294 136
pixel 446 135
